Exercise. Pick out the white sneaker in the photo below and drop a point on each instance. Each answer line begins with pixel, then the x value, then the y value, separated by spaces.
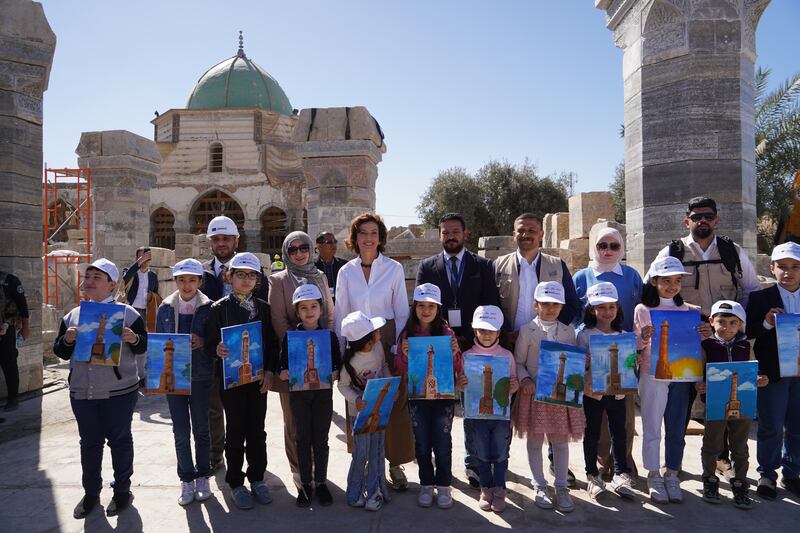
pixel 375 502
pixel 202 489
pixel 444 500
pixel 564 500
pixel 360 502
pixel 425 497
pixel 595 486
pixel 658 491
pixel 187 493
pixel 541 499
pixel 673 485
pixel 622 485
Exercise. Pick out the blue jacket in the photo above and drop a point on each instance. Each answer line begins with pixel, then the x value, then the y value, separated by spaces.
pixel 166 322
pixel 629 289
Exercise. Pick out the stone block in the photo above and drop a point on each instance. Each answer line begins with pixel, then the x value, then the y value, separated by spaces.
pixel 162 257
pixel 329 124
pixel 185 238
pixel 584 210
pixel 492 254
pixel 762 265
pixel 302 128
pixel 410 268
pixel 579 252
pixel 497 242
pixel 364 126
pixel 122 142
pixel 266 262
pixel 184 251
pixel 560 228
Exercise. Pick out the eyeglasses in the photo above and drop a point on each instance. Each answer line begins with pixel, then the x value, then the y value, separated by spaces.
pixel 303 248
pixel 697 217
pixel 615 246
pixel 246 275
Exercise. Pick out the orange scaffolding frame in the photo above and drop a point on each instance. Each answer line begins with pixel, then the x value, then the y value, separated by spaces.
pixel 56 180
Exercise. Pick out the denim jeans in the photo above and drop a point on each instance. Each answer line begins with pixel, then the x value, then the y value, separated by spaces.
pixel 779 429
pixel 432 421
pixel 675 423
pixel 366 475
pixel 615 409
pixel 490 440
pixel 470 461
pixel 190 418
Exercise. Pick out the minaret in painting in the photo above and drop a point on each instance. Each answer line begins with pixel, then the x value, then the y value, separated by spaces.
pixel 374 418
pixel 486 405
pixel 733 409
pixel 662 367
pixel 430 387
pixel 613 384
pixel 310 376
pixel 559 387
pixel 246 370
pixel 99 347
pixel 167 381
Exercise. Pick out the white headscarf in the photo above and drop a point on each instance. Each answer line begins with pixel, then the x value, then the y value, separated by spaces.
pixel 598 262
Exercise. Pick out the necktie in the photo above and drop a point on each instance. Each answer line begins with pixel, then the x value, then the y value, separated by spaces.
pixel 454 278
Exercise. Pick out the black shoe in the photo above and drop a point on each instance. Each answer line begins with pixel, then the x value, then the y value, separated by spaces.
pixel 216 463
pixel 767 489
pixel 473 477
pixel 119 503
pixel 324 495
pixel 792 485
pixel 711 490
pixel 85 506
pixel 304 496
pixel 740 497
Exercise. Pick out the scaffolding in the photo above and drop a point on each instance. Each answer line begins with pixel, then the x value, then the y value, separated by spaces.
pixel 75 220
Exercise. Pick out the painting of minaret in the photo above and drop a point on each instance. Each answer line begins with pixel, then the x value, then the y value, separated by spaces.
pixel 612 364
pixel 612 379
pixel 430 368
pixel 561 376
pixel 246 354
pixel 246 370
pixel 167 381
pixel 99 347
pixel 733 409
pixel 430 387
pixel 662 367
pixel 487 394
pixel 379 396
pixel 309 359
pixel 310 376
pixel 731 390
pixel 374 418
pixel 169 363
pixel 559 387
pixel 99 337
pixel 486 406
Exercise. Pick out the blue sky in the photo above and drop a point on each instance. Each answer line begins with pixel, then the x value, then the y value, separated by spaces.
pixel 473 368
pixel 89 321
pixel 232 337
pixel 181 359
pixel 788 343
pixel 298 355
pixel 442 362
pixel 683 338
pixel 548 368
pixel 718 379
pixel 451 83
pixel 370 396
pixel 601 364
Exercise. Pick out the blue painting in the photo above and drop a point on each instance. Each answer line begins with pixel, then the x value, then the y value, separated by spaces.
pixel 488 393
pixel 675 353
pixel 99 338
pixel 731 390
pixel 613 363
pixel 245 362
pixel 430 368
pixel 379 395
pixel 562 371
pixel 310 365
pixel 169 363
pixel 788 332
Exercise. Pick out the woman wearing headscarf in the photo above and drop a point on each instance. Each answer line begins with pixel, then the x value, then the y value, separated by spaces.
pixel 297 254
pixel 605 254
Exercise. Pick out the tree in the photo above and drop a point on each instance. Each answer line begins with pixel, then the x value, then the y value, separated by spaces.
pixel 617 188
pixel 501 393
pixel 492 198
pixel 575 382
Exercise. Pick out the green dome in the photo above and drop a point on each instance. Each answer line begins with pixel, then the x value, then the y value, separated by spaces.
pixel 238 82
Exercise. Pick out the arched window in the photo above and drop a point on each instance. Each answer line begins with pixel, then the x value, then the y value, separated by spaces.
pixel 162 228
pixel 273 230
pixel 57 214
pixel 216 203
pixel 215 157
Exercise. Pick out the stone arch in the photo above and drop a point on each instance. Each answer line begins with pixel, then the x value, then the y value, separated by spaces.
pixel 274 227
pixel 162 228
pixel 216 157
pixel 661 13
pixel 216 202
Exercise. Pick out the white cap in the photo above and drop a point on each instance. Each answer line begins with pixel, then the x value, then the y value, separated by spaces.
pixel 357 325
pixel 729 307
pixel 602 293
pixel 245 261
pixel 102 264
pixel 428 292
pixel 666 266
pixel 188 266
pixel 549 291
pixel 487 317
pixel 222 225
pixel 309 291
pixel 787 250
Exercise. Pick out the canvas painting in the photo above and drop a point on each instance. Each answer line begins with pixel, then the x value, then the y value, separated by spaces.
pixel 488 392
pixel 99 336
pixel 788 332
pixel 613 361
pixel 245 364
pixel 675 353
pixel 310 365
pixel 430 368
pixel 562 369
pixel 169 363
pixel 379 395
pixel 731 390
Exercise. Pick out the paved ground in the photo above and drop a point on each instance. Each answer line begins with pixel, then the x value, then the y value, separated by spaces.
pixel 40 484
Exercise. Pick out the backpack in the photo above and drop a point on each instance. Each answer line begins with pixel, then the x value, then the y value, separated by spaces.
pixel 729 257
pixel 9 312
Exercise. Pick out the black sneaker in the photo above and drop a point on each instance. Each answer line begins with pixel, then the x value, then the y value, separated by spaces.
pixel 711 490
pixel 740 497
pixel 725 469
pixel 473 477
pixel 119 503
pixel 324 495
pixel 85 506
pixel 767 489
pixel 792 485
pixel 304 496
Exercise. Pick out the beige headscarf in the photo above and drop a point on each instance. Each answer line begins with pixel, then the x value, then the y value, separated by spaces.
pixel 603 264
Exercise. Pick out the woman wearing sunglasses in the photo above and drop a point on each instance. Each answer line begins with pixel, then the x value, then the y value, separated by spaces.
pixel 298 255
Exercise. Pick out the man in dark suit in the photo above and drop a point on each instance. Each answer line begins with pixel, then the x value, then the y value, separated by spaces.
pixel 328 263
pixel 466 281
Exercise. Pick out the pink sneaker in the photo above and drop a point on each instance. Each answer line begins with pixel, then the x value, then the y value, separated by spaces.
pixel 485 501
pixel 499 501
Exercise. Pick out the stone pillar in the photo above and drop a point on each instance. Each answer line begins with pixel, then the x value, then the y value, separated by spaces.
pixel 341 148
pixel 124 168
pixel 689 127
pixel 26 53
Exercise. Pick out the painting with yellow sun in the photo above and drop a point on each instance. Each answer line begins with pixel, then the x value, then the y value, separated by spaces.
pixel 675 353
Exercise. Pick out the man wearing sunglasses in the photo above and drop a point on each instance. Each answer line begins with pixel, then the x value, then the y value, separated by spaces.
pixel 327 262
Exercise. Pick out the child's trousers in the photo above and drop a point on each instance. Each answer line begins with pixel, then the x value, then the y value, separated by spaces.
pixel 245 409
pixel 667 402
pixel 615 410
pixel 432 421
pixel 490 442
pixel 560 461
pixel 713 443
pixel 366 476
pixel 779 429
pixel 312 411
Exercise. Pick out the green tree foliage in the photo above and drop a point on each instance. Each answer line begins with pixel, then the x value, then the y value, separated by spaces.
pixel 113 351
pixel 117 329
pixel 630 361
pixel 617 189
pixel 187 370
pixel 492 198
pixel 501 394
pixel 575 383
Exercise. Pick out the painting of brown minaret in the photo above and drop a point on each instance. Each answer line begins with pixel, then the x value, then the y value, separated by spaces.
pixel 430 387
pixel 559 387
pixel 311 375
pixel 486 405
pixel 246 370
pixel 374 419
pixel 166 382
pixel 662 367
pixel 613 385
pixel 733 409
pixel 99 347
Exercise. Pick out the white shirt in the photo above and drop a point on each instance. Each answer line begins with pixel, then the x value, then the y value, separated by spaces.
pixel 791 303
pixel 140 302
pixel 527 286
pixel 459 258
pixel 384 296
pixel 218 266
pixel 616 270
